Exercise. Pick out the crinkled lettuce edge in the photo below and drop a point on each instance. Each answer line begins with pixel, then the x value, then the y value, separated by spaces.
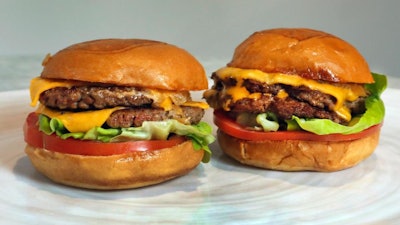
pixel 374 114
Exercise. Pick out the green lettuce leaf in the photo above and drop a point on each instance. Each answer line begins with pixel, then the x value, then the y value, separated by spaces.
pixel 268 121
pixel 200 134
pixel 379 86
pixel 374 114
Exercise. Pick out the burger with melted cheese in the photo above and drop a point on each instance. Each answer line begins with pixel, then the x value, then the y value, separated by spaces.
pixel 297 99
pixel 116 114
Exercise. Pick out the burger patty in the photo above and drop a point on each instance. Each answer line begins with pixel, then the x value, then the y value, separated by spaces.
pixel 138 103
pixel 301 101
pixel 135 117
pixel 93 97
pixel 283 108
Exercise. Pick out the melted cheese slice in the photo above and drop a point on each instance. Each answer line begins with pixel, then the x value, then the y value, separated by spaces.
pixel 341 93
pixel 202 105
pixel 79 121
pixel 39 85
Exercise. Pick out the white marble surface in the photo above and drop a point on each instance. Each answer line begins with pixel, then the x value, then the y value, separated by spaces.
pixel 17 71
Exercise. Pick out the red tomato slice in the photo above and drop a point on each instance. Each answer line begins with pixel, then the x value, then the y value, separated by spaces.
pixel 229 126
pixel 38 139
pixel 32 135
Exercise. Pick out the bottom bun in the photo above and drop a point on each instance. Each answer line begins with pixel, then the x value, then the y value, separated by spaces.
pixel 299 155
pixel 130 170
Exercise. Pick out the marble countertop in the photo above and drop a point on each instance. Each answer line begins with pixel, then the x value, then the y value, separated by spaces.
pixel 17 71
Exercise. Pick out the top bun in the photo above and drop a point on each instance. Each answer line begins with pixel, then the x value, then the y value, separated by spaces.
pixel 128 62
pixel 308 53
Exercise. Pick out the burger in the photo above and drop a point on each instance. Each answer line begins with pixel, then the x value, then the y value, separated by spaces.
pixel 295 99
pixel 117 114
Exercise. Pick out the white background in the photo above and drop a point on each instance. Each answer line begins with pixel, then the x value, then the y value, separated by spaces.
pixel 208 29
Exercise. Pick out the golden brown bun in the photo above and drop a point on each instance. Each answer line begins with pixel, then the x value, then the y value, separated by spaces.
pixel 130 170
pixel 297 155
pixel 308 53
pixel 128 62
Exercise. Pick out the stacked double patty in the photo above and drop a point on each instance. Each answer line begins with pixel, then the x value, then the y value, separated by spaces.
pixel 301 101
pixel 138 102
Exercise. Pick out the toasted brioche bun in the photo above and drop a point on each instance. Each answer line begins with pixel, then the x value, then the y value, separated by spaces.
pixel 123 62
pixel 128 62
pixel 299 155
pixel 130 170
pixel 308 53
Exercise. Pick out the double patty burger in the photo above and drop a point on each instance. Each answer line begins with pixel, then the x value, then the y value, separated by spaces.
pixel 116 114
pixel 297 99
